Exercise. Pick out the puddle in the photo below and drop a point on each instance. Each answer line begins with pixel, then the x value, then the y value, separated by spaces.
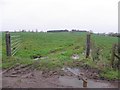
pixel 75 83
pixel 69 81
pixel 40 58
pixel 75 71
pixel 43 57
pixel 75 56
pixel 36 58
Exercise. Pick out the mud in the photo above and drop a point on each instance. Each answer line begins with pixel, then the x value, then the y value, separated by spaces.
pixel 24 76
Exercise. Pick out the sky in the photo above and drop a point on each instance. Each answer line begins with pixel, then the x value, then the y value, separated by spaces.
pixel 96 15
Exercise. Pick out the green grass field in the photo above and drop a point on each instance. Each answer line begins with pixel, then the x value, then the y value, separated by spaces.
pixel 57 49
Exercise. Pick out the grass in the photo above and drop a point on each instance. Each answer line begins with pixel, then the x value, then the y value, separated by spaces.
pixel 11 61
pixel 110 74
pixel 57 48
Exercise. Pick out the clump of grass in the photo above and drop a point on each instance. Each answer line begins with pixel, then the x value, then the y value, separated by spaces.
pixel 49 64
pixel 11 61
pixel 110 74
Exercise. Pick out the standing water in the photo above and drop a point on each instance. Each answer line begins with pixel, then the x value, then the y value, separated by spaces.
pixel 76 83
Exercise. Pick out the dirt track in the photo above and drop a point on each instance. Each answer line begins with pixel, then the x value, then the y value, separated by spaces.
pixel 27 77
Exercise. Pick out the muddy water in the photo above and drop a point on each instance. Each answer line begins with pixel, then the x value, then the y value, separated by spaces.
pixel 76 83
pixel 75 71
pixel 40 58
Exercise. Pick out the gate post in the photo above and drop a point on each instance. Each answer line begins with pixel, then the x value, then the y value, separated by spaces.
pixel 8 44
pixel 88 45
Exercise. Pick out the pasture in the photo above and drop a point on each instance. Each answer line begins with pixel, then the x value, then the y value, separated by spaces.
pixel 54 51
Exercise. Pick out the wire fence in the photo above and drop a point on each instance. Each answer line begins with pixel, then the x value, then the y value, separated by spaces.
pixel 96 52
pixel 13 43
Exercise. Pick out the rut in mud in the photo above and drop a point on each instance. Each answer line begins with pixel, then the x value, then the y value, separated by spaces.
pixel 25 76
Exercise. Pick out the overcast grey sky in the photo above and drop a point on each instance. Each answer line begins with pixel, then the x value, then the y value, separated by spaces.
pixel 95 15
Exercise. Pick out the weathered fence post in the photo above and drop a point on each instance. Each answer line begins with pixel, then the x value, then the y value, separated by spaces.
pixel 88 45
pixel 119 46
pixel 85 83
pixel 119 53
pixel 113 55
pixel 8 44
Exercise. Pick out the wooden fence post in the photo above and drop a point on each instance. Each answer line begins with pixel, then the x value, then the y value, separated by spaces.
pixel 113 55
pixel 119 52
pixel 8 44
pixel 118 46
pixel 88 45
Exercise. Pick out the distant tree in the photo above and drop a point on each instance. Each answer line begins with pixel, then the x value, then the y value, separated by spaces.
pixel 114 34
pixel 91 32
pixel 28 30
pixel 23 30
pixel 36 30
pixel 32 31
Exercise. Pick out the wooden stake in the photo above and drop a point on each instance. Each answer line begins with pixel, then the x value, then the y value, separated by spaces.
pixel 8 44
pixel 88 45
pixel 113 55
pixel 84 82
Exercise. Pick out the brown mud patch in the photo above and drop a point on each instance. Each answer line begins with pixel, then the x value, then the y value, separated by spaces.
pixel 25 76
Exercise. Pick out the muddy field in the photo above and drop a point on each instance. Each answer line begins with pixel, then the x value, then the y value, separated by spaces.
pixel 24 76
